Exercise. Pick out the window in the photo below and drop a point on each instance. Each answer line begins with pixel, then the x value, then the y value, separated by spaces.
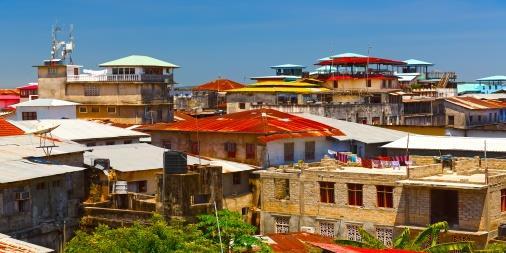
pixel 288 151
pixel 76 71
pixel 503 200
pixel 40 186
pixel 368 83
pixel 309 151
pixel 336 84
pixel 29 115
pixel 327 229
pixel 479 118
pixel 471 119
pixel 236 178
pixel 167 144
pixel 242 106
pixel 385 195
pixel 111 109
pixel 194 148
pixel 230 148
pixel 51 71
pixel 201 199
pixel 95 109
pixel 127 142
pixel 108 143
pixel 353 233
pixel 282 225
pixel 327 192
pixel 489 116
pixel 91 90
pixel 56 183
pixel 123 71
pixel 355 194
pixel 389 83
pixel 383 83
pixel 244 211
pixel 385 235
pixel 138 186
pixel 281 188
pixel 451 120
pixel 23 201
pixel 250 151
pixel 83 109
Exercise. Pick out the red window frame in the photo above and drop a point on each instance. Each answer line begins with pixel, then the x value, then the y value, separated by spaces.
pixel 231 149
pixel 355 195
pixel 327 192
pixel 385 196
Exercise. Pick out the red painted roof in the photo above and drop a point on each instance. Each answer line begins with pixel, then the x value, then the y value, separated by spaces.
pixel 473 103
pixel 360 61
pixel 181 116
pixel 347 249
pixel 8 129
pixel 9 97
pixel 348 77
pixel 219 85
pixel 295 242
pixel 31 86
pixel 269 124
pixel 9 92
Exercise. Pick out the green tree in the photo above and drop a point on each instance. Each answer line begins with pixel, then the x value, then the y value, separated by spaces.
pixel 236 235
pixel 425 241
pixel 158 236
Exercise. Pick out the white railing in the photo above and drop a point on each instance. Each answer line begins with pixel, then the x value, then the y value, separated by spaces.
pixel 104 78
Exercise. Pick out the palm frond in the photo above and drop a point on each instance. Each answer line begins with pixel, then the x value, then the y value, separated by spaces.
pixel 352 243
pixel 431 232
pixel 402 240
pixel 464 247
pixel 371 239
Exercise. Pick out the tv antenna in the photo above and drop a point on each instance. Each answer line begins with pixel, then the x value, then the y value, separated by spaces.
pixel 61 49
pixel 46 140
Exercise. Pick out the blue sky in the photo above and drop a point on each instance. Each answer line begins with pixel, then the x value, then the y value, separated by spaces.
pixel 238 39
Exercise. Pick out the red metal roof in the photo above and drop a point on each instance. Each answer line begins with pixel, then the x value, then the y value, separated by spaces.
pixel 360 61
pixel 219 85
pixel 269 124
pixel 9 97
pixel 8 129
pixel 295 242
pixel 347 249
pixel 348 77
pixel 9 92
pixel 31 86
pixel 181 116
pixel 473 103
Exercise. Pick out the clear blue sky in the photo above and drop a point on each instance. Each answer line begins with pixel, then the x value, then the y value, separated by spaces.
pixel 238 39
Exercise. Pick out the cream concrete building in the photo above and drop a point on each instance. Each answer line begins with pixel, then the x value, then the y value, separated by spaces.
pixel 134 90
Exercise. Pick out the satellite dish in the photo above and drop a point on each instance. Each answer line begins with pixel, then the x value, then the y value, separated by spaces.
pixel 44 128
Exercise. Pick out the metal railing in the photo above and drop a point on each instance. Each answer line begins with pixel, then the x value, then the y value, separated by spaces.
pixel 120 78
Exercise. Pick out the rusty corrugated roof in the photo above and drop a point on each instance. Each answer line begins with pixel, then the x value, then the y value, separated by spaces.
pixel 473 103
pixel 295 242
pixel 8 129
pixel 269 124
pixel 219 85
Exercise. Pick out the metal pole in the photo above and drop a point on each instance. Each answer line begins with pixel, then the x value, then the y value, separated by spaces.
pixel 407 157
pixel 486 165
pixel 218 224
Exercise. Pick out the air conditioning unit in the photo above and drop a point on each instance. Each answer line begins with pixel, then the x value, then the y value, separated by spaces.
pixel 22 195
pixel 307 230
pixel 501 231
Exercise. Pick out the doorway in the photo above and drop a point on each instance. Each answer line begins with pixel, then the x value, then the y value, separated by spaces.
pixel 444 206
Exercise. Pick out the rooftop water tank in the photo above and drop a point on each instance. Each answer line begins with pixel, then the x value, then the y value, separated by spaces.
pixel 174 162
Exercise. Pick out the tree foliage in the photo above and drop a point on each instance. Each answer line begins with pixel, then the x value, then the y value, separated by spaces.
pixel 236 235
pixel 425 241
pixel 156 237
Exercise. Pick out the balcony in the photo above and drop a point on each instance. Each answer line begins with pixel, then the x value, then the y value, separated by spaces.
pixel 121 78
pixel 439 75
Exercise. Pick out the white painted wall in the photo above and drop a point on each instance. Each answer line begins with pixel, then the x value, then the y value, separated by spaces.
pixel 48 112
pixel 275 149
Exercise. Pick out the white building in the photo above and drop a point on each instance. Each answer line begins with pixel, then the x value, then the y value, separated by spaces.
pixel 45 109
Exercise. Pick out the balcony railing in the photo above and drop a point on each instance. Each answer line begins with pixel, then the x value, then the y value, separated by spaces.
pixel 439 75
pixel 121 78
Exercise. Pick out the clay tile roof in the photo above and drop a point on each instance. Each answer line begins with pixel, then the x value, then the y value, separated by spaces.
pixel 8 129
pixel 473 103
pixel 269 124
pixel 219 85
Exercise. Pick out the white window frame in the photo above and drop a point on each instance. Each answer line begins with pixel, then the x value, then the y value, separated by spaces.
pixel 110 111
pixel 85 109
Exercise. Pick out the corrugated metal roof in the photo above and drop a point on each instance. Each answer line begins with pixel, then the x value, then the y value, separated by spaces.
pixel 277 83
pixel 77 129
pixel 287 66
pixel 260 121
pixel 429 142
pixel 415 62
pixel 300 90
pixel 143 156
pixel 334 248
pixel 11 245
pixel 473 103
pixel 22 146
pixel 29 86
pixel 359 132
pixel 20 170
pixel 8 129
pixel 294 242
pixel 219 85
pixel 493 78
pixel 138 60
pixel 45 102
